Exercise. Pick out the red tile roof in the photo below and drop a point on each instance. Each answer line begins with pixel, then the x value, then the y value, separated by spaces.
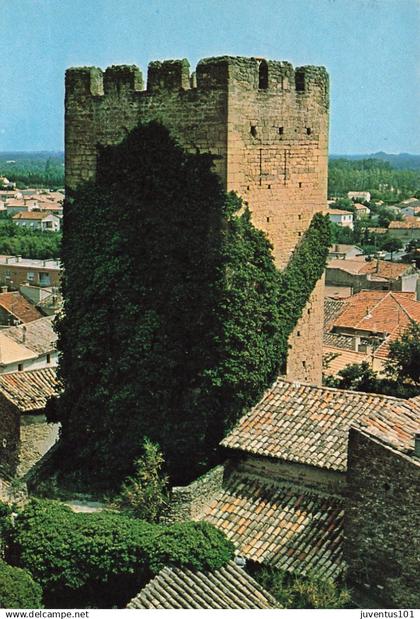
pixel 280 524
pixel 408 223
pixel 378 311
pixel 18 306
pixel 309 425
pixel 29 391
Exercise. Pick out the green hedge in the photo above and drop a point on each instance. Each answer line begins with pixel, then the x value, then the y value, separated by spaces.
pixel 103 559
pixel 18 589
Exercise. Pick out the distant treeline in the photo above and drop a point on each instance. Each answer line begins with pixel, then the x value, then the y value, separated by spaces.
pixel 374 175
pixel 33 169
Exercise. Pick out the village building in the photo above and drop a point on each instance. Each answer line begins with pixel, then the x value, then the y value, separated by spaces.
pixel 362 327
pixel 25 435
pixel 15 271
pixel 359 274
pixel 362 196
pixel 341 218
pixel 226 588
pixel 361 211
pixel 289 478
pixel 37 220
pixel 16 309
pixel 406 230
pixel 28 346
pixel 340 251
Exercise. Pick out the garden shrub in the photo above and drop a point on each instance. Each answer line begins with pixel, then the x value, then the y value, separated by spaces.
pixel 102 559
pixel 18 589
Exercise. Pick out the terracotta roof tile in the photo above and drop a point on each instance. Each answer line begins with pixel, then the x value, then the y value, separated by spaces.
pixel 412 223
pixel 16 304
pixel 278 523
pixel 29 391
pixel 309 425
pixel 226 588
pixel 38 336
pixel 332 309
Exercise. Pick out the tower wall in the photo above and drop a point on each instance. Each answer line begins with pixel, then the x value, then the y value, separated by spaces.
pixel 265 122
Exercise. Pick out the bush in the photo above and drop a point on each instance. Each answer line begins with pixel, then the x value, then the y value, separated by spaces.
pixel 145 494
pixel 103 559
pixel 18 589
pixel 302 591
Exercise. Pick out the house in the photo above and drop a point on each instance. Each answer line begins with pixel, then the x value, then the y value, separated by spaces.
pixel 283 492
pixel 341 218
pixel 362 327
pixel 14 206
pixel 28 346
pixel 15 309
pixel 37 220
pixel 371 275
pixel 361 210
pixel 406 230
pixel 363 196
pixel 225 588
pixel 382 516
pixel 341 251
pixel 15 271
pixel 411 211
pixel 25 435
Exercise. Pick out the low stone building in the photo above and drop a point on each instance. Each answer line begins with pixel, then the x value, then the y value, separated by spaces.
pixel 361 274
pixel 226 588
pixel 406 231
pixel 25 435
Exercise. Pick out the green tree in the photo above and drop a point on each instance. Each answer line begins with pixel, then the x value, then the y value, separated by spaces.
pixel 144 495
pixel 391 246
pixel 358 377
pixel 403 361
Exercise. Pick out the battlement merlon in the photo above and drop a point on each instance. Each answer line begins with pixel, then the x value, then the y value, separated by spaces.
pixel 233 73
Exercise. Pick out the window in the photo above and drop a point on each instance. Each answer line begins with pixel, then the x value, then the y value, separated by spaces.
pixel 20 367
pixel 253 131
pixel 300 185
pixel 281 130
pixel 263 75
pixel 308 130
pixel 268 220
pixel 30 276
pixel 48 358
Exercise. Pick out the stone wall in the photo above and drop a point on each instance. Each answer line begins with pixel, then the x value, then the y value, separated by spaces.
pixel 266 124
pixel 188 502
pixel 382 521
pixel 36 438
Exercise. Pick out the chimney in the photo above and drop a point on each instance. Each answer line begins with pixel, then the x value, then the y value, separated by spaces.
pixel 23 334
pixel 18 257
pixel 377 265
pixel 4 289
pixel 418 289
pixel 417 444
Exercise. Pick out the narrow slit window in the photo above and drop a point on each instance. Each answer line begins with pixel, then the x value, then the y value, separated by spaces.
pixel 308 130
pixel 253 131
pixel 281 130
pixel 263 75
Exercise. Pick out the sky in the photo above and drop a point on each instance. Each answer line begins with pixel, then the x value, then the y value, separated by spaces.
pixel 371 49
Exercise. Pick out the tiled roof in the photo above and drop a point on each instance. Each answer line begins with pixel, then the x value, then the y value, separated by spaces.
pixel 301 423
pixel 29 391
pixel 337 211
pixel 12 351
pixel 332 309
pixel 335 340
pixel 280 524
pixel 408 223
pixel 30 215
pixel 226 588
pixel 341 359
pixel 38 335
pixel 378 311
pixel 16 304
pixel 379 268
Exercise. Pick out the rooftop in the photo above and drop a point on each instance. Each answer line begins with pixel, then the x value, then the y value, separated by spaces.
pixel 337 211
pixel 29 391
pixel 38 336
pixel 278 523
pixel 31 215
pixel 25 263
pixel 309 425
pixel 16 304
pixel 378 311
pixel 380 268
pixel 226 588
pixel 12 351
pixel 408 223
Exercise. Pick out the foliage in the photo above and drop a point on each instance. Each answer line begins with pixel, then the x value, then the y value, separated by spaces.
pixel 378 177
pixel 18 589
pixel 176 318
pixel 413 252
pixel 360 377
pixel 302 592
pixel 144 495
pixel 16 240
pixel 33 169
pixel 403 361
pixel 104 558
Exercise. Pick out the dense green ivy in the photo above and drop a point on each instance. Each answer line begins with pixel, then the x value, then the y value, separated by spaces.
pixel 18 589
pixel 176 318
pixel 104 558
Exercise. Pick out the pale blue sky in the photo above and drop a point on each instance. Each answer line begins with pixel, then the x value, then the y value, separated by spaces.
pixel 370 47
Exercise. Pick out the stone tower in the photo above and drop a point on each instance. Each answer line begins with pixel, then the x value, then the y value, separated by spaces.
pixel 265 122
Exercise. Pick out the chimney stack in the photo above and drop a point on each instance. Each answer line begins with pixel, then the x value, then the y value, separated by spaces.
pixel 417 444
